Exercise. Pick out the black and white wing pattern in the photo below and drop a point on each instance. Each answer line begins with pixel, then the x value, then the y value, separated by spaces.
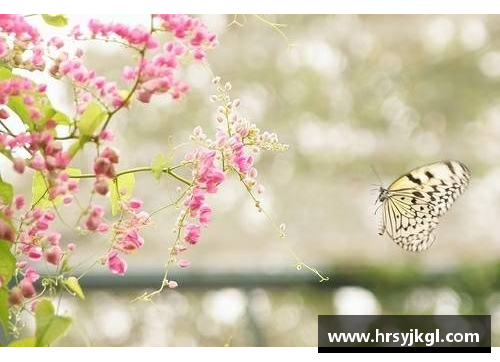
pixel 413 204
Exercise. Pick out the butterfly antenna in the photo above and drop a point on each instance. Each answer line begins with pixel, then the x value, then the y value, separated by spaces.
pixel 376 174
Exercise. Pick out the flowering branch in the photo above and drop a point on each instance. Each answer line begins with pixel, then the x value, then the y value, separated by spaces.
pixel 29 240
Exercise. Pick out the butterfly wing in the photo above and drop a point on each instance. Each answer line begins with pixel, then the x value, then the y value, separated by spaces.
pixel 416 200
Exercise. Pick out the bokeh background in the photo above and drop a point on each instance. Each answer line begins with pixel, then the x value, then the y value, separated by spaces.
pixel 353 96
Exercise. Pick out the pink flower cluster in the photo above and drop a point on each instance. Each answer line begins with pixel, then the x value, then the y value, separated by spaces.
pixel 48 157
pixel 15 27
pixel 30 276
pixel 25 289
pixel 17 86
pixel 207 178
pixel 138 36
pixel 36 242
pixel 127 238
pixel 206 174
pixel 86 80
pixel 192 31
pixel 157 76
pixel 104 169
pixel 154 75
pixel 241 161
pixel 95 221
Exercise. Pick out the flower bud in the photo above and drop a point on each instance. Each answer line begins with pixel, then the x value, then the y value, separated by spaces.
pixel 101 186
pixel 6 232
pixel 101 165
pixel 53 255
pixel 27 288
pixel 183 263
pixel 172 284
pixel 4 114
pixel 110 154
pixel 16 296
pixel 135 204
pixel 19 164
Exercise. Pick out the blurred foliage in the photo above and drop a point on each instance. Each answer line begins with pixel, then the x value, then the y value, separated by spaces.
pixel 272 310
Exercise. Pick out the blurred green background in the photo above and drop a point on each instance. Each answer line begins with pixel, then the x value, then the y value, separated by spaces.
pixel 353 94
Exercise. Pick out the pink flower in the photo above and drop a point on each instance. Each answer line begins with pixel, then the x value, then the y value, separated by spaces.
pixel 103 166
pixel 38 163
pixel 4 114
pixel 196 200
pixel 129 73
pixel 192 233
pixel 19 201
pixel 68 199
pixel 94 221
pixel 53 255
pixel 56 42
pixel 19 165
pixel 27 288
pixel 172 284
pixel 183 263
pixel 71 246
pixel 31 274
pixel 110 154
pixel 135 204
pixel 205 212
pixel 103 227
pixel 101 185
pixel 35 253
pixel 54 238
pixel 208 174
pixel 106 135
pixel 131 240
pixel 116 264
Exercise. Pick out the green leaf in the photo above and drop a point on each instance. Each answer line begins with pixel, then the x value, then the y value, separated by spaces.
pixel 42 103
pixel 7 261
pixel 78 145
pixel 4 310
pixel 25 342
pixel 39 189
pixel 5 72
pixel 61 119
pixel 158 163
pixel 49 327
pixel 57 20
pixel 122 188
pixel 91 118
pixel 6 192
pixel 17 105
pixel 7 268
pixel 73 285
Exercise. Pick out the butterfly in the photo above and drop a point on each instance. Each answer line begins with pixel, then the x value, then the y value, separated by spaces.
pixel 413 203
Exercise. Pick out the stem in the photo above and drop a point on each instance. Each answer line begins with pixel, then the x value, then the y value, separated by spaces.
pixel 13 135
pixel 168 170
pixel 142 54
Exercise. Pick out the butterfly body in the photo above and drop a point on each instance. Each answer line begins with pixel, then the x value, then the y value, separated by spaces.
pixel 413 203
